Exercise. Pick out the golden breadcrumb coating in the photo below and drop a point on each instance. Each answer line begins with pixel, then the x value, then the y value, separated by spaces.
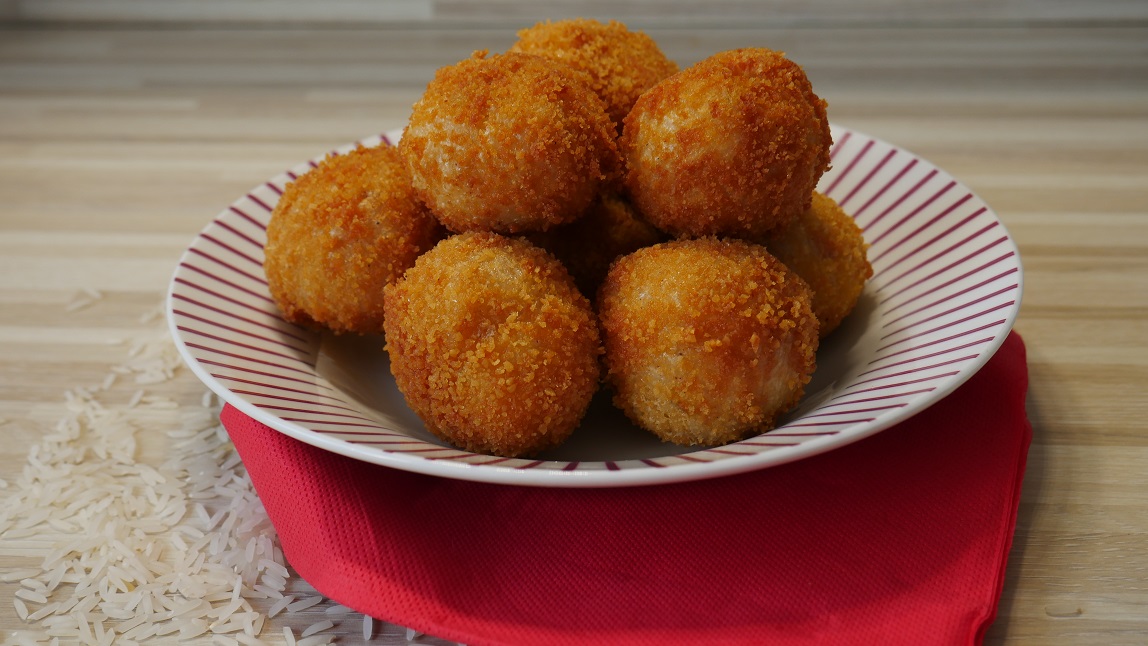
pixel 588 245
pixel 707 340
pixel 733 145
pixel 339 234
pixel 509 143
pixel 619 64
pixel 824 246
pixel 492 345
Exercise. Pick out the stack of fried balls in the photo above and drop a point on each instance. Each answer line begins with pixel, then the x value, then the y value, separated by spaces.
pixel 579 211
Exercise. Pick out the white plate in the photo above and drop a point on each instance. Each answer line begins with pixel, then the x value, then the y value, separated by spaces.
pixel 945 292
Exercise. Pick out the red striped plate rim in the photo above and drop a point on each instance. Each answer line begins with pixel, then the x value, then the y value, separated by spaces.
pixel 945 292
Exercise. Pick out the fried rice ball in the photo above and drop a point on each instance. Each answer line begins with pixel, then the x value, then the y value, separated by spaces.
pixel 339 234
pixel 732 146
pixel 825 247
pixel 492 345
pixel 619 64
pixel 611 228
pixel 510 143
pixel 707 340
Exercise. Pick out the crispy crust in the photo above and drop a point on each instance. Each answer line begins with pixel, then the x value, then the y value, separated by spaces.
pixel 492 345
pixel 339 234
pixel 509 143
pixel 611 228
pixel 619 64
pixel 733 145
pixel 825 247
pixel 707 340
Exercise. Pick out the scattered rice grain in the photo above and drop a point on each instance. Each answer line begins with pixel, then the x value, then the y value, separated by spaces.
pixel 249 640
pixel 31 595
pixel 169 552
pixel 42 612
pixel 26 638
pixel 17 575
pixel 318 627
pixel 280 605
pixel 303 604
pixel 33 584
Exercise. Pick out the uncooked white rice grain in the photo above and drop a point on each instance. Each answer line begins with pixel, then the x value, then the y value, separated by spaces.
pixel 318 627
pixel 368 628
pixel 289 635
pixel 34 584
pixel 413 634
pixel 273 567
pixel 280 605
pixel 267 592
pixel 26 638
pixel 43 612
pixel 177 550
pixel 274 580
pixel 248 640
pixel 303 604
pixel 17 575
pixel 31 595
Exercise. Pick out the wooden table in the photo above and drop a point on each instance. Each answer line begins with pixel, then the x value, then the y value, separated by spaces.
pixel 117 146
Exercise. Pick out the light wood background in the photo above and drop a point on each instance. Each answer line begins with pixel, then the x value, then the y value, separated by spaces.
pixel 636 13
pixel 126 125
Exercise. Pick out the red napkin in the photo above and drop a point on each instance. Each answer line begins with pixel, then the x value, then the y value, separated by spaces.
pixel 900 538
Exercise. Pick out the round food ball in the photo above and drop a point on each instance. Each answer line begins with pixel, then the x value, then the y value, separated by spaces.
pixel 732 146
pixel 492 345
pixel 825 247
pixel 707 340
pixel 510 143
pixel 619 64
pixel 588 245
pixel 339 234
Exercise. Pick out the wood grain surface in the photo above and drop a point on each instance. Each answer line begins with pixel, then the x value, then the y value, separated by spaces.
pixel 118 145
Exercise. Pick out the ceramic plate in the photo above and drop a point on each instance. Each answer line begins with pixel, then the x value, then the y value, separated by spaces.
pixel 945 292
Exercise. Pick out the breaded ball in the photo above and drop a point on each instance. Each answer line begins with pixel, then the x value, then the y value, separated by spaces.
pixel 732 146
pixel 587 246
pixel 339 234
pixel 509 143
pixel 619 64
pixel 492 345
pixel 824 246
pixel 707 340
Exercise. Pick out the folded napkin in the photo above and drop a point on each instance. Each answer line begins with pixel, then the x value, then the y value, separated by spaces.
pixel 900 538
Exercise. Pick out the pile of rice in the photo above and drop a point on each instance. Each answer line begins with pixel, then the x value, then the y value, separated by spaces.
pixel 122 550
